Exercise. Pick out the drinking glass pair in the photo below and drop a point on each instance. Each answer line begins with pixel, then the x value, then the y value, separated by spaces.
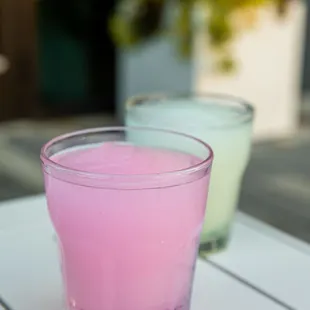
pixel 128 204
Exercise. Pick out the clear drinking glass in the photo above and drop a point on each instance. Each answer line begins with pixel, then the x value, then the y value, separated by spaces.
pixel 225 123
pixel 128 209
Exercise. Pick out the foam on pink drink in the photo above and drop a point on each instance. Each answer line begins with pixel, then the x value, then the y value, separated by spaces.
pixel 127 249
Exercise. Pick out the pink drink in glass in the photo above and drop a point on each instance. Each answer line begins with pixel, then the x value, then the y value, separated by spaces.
pixel 128 220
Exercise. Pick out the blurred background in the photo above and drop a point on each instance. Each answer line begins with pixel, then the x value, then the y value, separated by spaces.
pixel 71 64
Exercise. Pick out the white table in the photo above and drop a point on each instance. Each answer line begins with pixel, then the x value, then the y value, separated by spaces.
pixel 263 269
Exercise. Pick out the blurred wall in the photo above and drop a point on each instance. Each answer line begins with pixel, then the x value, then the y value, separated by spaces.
pixel 76 57
pixel 306 76
pixel 62 62
pixel 153 68
pixel 18 86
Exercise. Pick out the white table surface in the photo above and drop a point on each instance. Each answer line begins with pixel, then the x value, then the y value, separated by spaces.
pixel 263 269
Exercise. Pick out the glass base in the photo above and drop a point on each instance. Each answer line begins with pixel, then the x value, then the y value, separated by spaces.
pixel 210 247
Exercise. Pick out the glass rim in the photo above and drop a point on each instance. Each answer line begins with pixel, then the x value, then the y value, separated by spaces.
pixel 246 115
pixel 204 164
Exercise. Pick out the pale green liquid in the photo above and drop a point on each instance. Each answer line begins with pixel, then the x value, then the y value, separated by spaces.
pixel 230 141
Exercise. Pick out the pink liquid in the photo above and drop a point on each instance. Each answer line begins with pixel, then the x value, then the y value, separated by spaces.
pixel 127 249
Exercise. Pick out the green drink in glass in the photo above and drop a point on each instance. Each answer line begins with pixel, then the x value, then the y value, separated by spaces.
pixel 223 122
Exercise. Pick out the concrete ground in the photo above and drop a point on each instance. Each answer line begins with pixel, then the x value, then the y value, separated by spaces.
pixel 276 187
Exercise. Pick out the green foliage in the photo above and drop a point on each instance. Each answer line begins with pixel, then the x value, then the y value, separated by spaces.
pixel 136 21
